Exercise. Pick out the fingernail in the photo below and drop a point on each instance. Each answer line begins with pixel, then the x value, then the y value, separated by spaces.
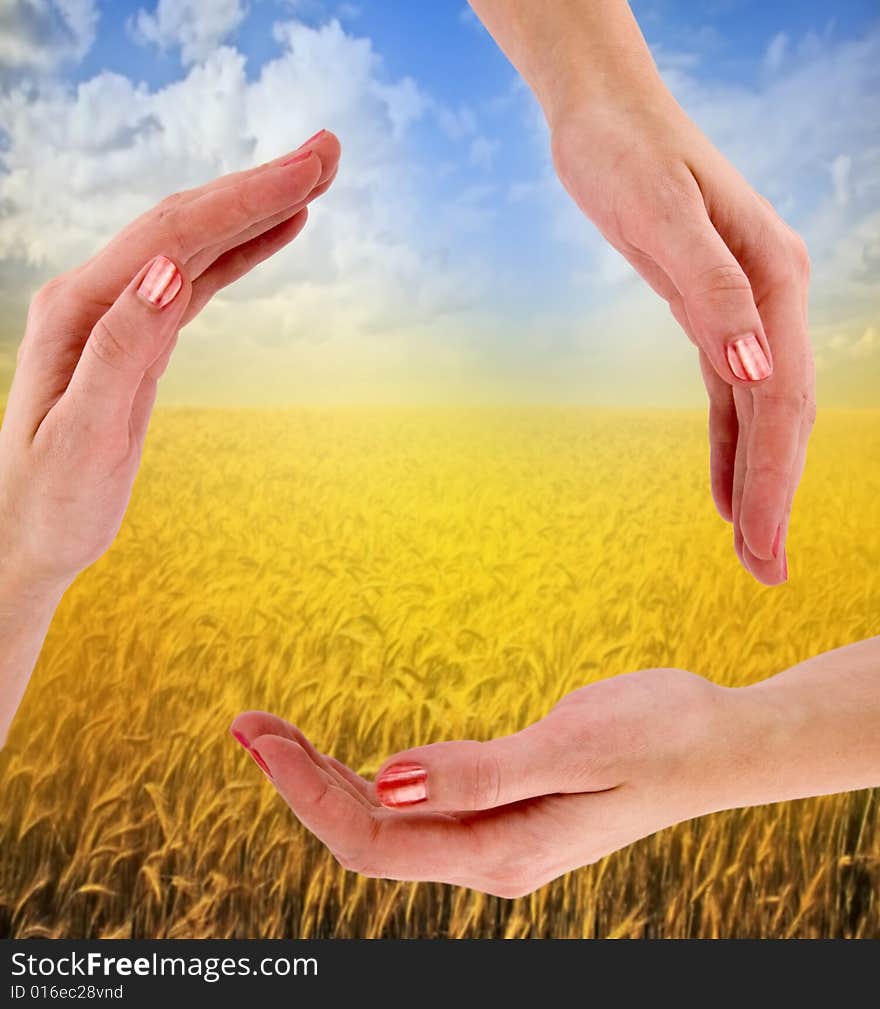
pixel 747 359
pixel 314 136
pixel 402 785
pixel 296 159
pixel 776 540
pixel 263 766
pixel 161 283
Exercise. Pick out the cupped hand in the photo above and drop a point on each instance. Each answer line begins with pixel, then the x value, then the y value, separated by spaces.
pixel 99 338
pixel 611 763
pixel 736 279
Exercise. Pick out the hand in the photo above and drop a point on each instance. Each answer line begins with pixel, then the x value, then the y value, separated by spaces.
pixel 736 279
pixel 97 341
pixel 611 763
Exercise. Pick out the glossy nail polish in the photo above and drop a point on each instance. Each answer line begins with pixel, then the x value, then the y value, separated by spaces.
pixel 296 159
pixel 263 766
pixel 161 283
pixel 776 540
pixel 402 785
pixel 747 359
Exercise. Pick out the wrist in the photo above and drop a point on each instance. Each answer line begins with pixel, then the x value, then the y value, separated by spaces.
pixel 25 596
pixel 760 756
pixel 597 83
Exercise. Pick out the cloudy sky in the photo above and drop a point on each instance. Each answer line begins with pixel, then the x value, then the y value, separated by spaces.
pixel 447 264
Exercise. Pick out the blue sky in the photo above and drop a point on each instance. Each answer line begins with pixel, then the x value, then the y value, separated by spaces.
pixel 462 236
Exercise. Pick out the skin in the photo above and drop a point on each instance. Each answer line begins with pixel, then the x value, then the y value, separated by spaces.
pixel 695 230
pixel 611 763
pixel 87 376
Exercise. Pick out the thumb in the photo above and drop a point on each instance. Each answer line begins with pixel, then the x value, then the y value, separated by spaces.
pixel 468 775
pixel 126 341
pixel 715 293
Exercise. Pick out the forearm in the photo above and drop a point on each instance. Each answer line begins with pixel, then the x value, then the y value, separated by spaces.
pixel 26 611
pixel 813 729
pixel 572 50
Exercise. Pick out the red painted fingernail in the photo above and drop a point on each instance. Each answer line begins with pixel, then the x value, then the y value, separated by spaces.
pixel 776 540
pixel 747 359
pixel 264 767
pixel 402 785
pixel 314 136
pixel 161 283
pixel 296 159
pixel 240 738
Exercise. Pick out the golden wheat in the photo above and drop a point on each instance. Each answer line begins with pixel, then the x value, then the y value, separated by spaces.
pixel 391 577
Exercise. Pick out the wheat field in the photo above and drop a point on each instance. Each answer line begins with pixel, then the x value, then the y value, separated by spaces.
pixel 391 577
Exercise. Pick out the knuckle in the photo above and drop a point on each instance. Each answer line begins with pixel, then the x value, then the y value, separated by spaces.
pixel 167 222
pixel 349 862
pixel 799 254
pixel 242 204
pixel 511 891
pixel 168 203
pixel 110 348
pixel 48 293
pixel 791 406
pixel 723 278
pixel 487 778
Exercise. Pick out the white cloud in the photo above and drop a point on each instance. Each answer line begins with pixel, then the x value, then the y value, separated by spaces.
pixel 786 134
pixel 38 35
pixel 368 275
pixel 776 51
pixel 193 26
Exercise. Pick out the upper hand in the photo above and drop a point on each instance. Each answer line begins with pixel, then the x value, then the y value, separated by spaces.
pixel 611 763
pixel 99 338
pixel 735 277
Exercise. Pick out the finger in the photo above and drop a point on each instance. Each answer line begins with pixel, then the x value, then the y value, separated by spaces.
pixel 366 788
pixel 253 724
pixel 467 775
pixel 742 401
pixel 221 214
pixel 372 841
pixel 723 438
pixel 185 226
pixel 205 259
pixel 723 428
pixel 239 261
pixel 125 342
pixel 714 288
pixel 234 266
pixel 323 143
pixel 330 811
pixel 507 851
pixel 772 445
pixel 783 409
pixel 142 410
